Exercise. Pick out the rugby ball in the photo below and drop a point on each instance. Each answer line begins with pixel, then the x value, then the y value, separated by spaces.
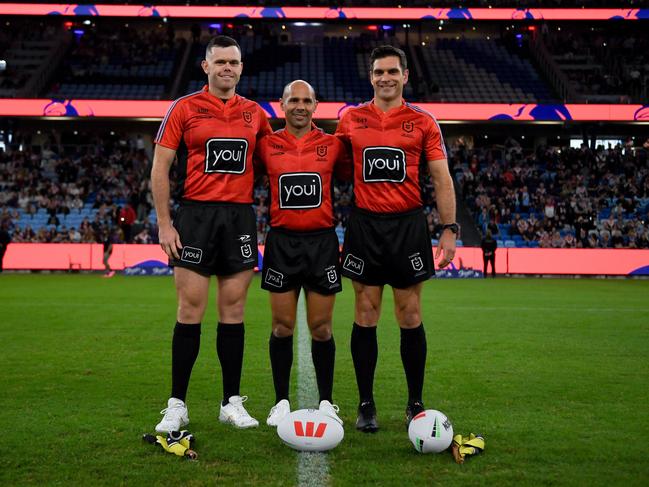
pixel 310 430
pixel 430 431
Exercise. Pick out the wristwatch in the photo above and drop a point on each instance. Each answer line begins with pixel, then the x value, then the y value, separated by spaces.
pixel 453 227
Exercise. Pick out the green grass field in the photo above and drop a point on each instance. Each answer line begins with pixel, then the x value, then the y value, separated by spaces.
pixel 552 372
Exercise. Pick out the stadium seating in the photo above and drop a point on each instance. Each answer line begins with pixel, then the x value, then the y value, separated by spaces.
pixel 128 65
pixel 479 70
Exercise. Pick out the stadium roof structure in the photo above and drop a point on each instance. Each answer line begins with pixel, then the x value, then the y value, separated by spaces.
pixel 322 13
pixel 444 112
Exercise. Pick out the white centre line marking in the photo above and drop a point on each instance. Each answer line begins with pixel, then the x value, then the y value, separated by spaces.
pixel 312 467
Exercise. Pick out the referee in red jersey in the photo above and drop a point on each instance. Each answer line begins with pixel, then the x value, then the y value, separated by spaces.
pixel 213 134
pixel 302 248
pixel 387 240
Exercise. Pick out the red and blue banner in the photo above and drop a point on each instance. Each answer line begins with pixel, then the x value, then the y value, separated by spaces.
pixel 68 256
pixel 149 109
pixel 322 13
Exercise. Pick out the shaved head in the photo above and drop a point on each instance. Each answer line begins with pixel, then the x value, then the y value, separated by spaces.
pixel 298 103
pixel 297 82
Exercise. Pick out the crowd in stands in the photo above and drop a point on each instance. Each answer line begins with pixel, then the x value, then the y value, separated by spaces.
pixel 95 192
pixel 550 197
pixel 557 197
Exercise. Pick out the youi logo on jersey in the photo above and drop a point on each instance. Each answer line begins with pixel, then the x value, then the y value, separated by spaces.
pixel 384 164
pixel 226 155
pixel 300 190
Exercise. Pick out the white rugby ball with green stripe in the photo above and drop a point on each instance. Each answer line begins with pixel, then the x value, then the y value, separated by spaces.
pixel 430 431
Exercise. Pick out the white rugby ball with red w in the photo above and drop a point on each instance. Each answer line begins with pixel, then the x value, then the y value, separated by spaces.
pixel 310 430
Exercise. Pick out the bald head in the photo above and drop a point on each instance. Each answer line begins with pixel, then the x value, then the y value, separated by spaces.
pixel 297 84
pixel 298 103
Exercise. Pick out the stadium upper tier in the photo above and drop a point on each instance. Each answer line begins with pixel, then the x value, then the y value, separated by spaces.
pixel 155 60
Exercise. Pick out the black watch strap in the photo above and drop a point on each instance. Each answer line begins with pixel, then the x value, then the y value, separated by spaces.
pixel 453 227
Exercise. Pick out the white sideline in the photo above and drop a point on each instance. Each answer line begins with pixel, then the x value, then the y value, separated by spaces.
pixel 312 467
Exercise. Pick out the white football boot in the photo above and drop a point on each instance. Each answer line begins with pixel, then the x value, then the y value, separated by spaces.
pixel 278 412
pixel 175 416
pixel 330 410
pixel 235 414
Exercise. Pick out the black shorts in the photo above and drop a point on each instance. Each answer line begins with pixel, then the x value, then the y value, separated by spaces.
pixel 392 249
pixel 217 238
pixel 301 259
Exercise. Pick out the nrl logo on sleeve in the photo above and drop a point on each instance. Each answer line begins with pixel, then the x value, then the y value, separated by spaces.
pixel 247 116
pixel 192 255
pixel 300 190
pixel 384 164
pixel 226 155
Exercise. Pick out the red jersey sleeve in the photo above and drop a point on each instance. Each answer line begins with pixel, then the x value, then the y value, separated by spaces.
pixel 259 157
pixel 341 130
pixel 434 142
pixel 264 125
pixel 344 164
pixel 171 129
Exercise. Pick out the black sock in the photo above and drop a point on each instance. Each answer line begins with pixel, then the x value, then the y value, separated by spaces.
pixel 281 361
pixel 365 351
pixel 229 347
pixel 324 357
pixel 184 350
pixel 413 356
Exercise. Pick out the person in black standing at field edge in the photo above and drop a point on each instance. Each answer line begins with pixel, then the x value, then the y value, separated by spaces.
pixel 5 240
pixel 107 242
pixel 489 246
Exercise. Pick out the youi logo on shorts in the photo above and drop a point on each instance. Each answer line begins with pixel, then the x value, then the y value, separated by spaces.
pixel 191 254
pixel 300 190
pixel 354 264
pixel 226 155
pixel 274 278
pixel 384 164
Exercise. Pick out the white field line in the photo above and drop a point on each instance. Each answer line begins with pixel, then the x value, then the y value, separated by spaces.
pixel 312 467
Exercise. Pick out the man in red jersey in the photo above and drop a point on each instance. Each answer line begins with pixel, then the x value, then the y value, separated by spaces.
pixel 213 134
pixel 387 240
pixel 302 247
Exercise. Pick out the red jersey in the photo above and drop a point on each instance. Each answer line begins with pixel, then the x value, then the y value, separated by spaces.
pixel 388 150
pixel 300 177
pixel 215 142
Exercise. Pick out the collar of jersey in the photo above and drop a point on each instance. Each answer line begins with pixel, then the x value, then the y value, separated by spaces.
pixel 314 132
pixel 231 102
pixel 376 109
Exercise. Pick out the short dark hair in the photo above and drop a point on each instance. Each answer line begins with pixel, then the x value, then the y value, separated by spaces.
pixel 221 41
pixel 387 51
